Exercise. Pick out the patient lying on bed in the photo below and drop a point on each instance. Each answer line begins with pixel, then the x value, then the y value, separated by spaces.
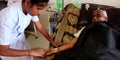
pixel 97 41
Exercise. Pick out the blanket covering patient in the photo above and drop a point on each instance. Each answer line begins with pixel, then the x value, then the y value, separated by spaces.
pixel 98 41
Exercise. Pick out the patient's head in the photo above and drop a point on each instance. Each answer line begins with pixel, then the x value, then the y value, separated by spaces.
pixel 99 15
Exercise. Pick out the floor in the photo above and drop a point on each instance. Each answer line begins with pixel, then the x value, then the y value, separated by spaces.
pixel 40 42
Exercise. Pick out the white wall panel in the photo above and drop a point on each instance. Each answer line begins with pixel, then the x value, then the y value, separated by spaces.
pixel 115 3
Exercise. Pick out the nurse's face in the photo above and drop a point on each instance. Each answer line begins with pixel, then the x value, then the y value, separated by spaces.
pixel 35 9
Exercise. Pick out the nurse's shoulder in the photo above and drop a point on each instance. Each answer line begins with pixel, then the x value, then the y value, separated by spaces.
pixel 10 10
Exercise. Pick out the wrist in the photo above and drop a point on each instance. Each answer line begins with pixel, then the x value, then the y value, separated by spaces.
pixel 55 50
pixel 29 52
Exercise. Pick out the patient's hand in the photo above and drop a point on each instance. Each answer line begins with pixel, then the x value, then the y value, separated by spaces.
pixel 52 51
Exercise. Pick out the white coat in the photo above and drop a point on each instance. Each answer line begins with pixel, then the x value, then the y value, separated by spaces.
pixel 12 25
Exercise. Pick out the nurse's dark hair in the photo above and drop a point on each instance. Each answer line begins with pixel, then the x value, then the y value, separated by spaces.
pixel 37 2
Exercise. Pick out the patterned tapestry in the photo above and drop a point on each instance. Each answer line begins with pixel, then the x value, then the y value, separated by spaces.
pixel 67 25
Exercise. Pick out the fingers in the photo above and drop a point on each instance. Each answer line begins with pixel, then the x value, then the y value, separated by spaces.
pixel 42 53
pixel 54 45
pixel 51 51
pixel 38 52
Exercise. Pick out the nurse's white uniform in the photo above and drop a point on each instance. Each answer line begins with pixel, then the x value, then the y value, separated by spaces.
pixel 12 25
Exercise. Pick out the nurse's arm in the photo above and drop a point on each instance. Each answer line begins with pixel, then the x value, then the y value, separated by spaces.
pixel 6 51
pixel 42 30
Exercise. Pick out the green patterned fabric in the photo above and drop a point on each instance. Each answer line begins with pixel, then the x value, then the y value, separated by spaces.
pixel 78 5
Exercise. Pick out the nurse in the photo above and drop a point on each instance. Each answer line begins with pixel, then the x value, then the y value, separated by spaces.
pixel 13 21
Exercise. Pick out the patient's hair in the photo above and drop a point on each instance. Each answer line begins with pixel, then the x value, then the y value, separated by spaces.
pixel 37 2
pixel 100 15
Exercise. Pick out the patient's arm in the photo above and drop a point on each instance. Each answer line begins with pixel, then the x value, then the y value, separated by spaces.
pixel 63 47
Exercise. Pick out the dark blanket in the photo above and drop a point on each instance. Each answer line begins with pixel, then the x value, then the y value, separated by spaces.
pixel 98 41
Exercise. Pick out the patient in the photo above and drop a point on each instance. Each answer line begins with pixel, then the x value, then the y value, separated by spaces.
pixel 97 41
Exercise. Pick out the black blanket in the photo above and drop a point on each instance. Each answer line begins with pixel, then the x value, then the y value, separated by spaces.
pixel 98 41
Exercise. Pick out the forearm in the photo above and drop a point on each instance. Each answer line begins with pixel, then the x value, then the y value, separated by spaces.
pixel 13 52
pixel 6 51
pixel 58 49
pixel 66 46
pixel 63 47
pixel 45 34
pixel 43 31
pixel 48 37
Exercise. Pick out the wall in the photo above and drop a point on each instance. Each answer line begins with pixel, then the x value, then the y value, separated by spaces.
pixel 115 3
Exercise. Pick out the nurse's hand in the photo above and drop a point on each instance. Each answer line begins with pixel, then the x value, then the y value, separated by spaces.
pixel 38 52
pixel 51 51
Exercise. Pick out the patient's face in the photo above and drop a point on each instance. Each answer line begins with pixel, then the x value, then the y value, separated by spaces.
pixel 99 15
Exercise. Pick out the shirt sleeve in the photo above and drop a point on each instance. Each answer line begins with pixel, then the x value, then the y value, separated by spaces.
pixel 35 18
pixel 6 26
pixel 79 32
